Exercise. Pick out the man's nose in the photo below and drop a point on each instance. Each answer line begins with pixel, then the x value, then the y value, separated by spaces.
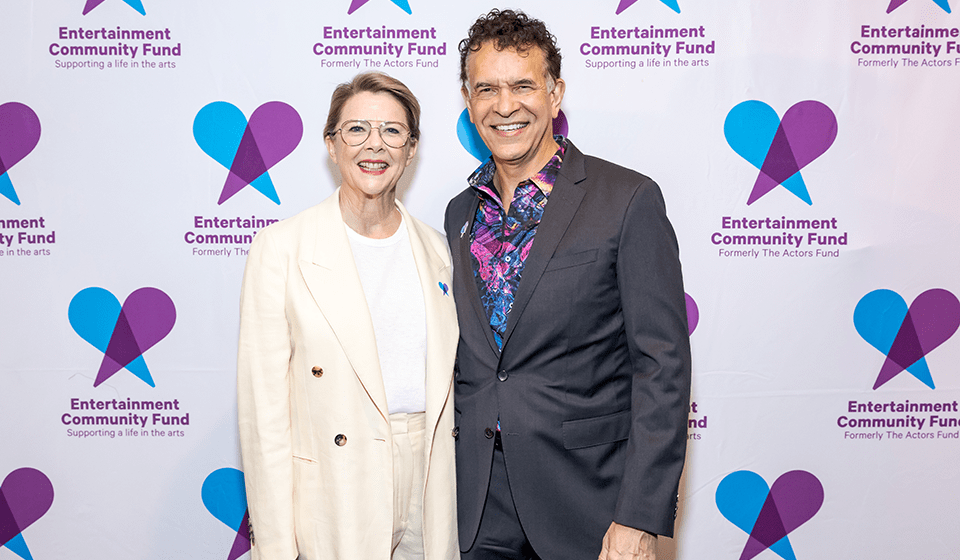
pixel 506 102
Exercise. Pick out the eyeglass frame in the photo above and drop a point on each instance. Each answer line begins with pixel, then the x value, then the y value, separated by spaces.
pixel 379 131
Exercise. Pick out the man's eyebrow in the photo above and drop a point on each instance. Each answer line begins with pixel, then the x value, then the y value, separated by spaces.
pixel 516 82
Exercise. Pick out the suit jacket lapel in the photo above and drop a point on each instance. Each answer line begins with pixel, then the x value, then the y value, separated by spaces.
pixel 441 323
pixel 561 207
pixel 333 281
pixel 465 277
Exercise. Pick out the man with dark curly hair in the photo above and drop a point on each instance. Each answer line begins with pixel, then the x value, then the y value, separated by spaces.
pixel 573 369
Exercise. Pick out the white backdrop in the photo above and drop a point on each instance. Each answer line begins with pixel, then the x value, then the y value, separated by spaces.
pixel 124 167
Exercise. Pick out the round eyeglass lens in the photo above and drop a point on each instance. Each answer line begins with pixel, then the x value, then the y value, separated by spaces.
pixel 393 134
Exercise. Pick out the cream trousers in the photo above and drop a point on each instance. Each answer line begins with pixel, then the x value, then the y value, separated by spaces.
pixel 408 483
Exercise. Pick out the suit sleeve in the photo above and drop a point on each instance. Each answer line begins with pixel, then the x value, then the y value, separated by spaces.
pixel 655 321
pixel 263 396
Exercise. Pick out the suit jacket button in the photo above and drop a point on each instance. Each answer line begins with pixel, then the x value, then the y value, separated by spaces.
pixel 317 371
pixel 340 440
pixel 502 376
pixel 455 432
pixel 488 433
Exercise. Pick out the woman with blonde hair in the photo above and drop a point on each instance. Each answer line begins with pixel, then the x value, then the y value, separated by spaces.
pixel 347 340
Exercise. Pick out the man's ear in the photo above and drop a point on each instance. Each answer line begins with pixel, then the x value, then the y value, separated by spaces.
pixel 556 96
pixel 466 101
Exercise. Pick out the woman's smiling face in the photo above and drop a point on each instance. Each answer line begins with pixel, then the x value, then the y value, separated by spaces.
pixel 372 168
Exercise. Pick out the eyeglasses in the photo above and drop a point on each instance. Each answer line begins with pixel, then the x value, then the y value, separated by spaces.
pixel 354 133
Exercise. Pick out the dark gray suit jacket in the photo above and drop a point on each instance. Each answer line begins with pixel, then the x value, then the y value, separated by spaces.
pixel 592 387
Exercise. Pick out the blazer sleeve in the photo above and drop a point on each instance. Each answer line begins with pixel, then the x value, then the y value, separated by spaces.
pixel 655 321
pixel 263 396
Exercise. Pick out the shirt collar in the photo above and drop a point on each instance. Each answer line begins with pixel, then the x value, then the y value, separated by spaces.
pixel 482 178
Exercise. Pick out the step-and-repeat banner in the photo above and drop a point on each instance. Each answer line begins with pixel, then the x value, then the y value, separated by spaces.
pixel 808 153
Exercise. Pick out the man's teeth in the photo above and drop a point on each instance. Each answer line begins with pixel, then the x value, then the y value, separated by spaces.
pixel 373 166
pixel 510 127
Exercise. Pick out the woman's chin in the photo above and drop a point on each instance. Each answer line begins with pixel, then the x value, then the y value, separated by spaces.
pixel 372 187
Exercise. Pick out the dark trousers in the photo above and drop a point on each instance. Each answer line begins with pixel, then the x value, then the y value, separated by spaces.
pixel 500 536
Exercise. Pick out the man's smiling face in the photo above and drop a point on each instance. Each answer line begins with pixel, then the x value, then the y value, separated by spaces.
pixel 512 102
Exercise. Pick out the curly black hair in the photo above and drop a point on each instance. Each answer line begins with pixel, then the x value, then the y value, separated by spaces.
pixel 510 29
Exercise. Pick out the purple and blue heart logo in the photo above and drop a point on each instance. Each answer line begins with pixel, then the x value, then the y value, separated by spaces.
pixel 905 335
pixel 769 514
pixel 780 148
pixel 472 143
pixel 248 149
pixel 122 333
pixel 135 4
pixel 356 4
pixel 624 4
pixel 894 4
pixel 25 496
pixel 19 135
pixel 693 313
pixel 225 497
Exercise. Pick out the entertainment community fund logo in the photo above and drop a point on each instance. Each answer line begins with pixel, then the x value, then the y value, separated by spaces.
pixel 911 39
pixel 225 497
pixel 624 4
pixel 135 4
pixel 248 149
pixel 19 135
pixel 894 4
pixel 122 333
pixel 769 514
pixel 906 335
pixel 356 4
pixel 25 496
pixel 780 148
pixel 126 44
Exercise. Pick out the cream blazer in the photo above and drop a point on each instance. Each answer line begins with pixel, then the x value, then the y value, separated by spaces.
pixel 314 428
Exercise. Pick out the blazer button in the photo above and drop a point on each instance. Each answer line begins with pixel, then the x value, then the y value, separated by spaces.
pixel 488 433
pixel 502 376
pixel 317 371
pixel 340 440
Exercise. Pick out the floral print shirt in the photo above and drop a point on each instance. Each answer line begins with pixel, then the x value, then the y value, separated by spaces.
pixel 500 242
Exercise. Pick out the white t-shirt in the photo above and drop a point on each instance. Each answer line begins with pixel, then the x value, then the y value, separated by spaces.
pixel 391 285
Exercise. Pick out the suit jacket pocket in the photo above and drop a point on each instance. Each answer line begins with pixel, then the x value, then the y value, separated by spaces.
pixel 598 430
pixel 575 259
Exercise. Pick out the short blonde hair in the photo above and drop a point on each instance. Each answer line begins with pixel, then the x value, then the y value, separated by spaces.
pixel 374 82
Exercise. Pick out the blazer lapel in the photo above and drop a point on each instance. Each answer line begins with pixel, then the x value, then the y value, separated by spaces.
pixel 333 281
pixel 562 205
pixel 465 279
pixel 441 318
